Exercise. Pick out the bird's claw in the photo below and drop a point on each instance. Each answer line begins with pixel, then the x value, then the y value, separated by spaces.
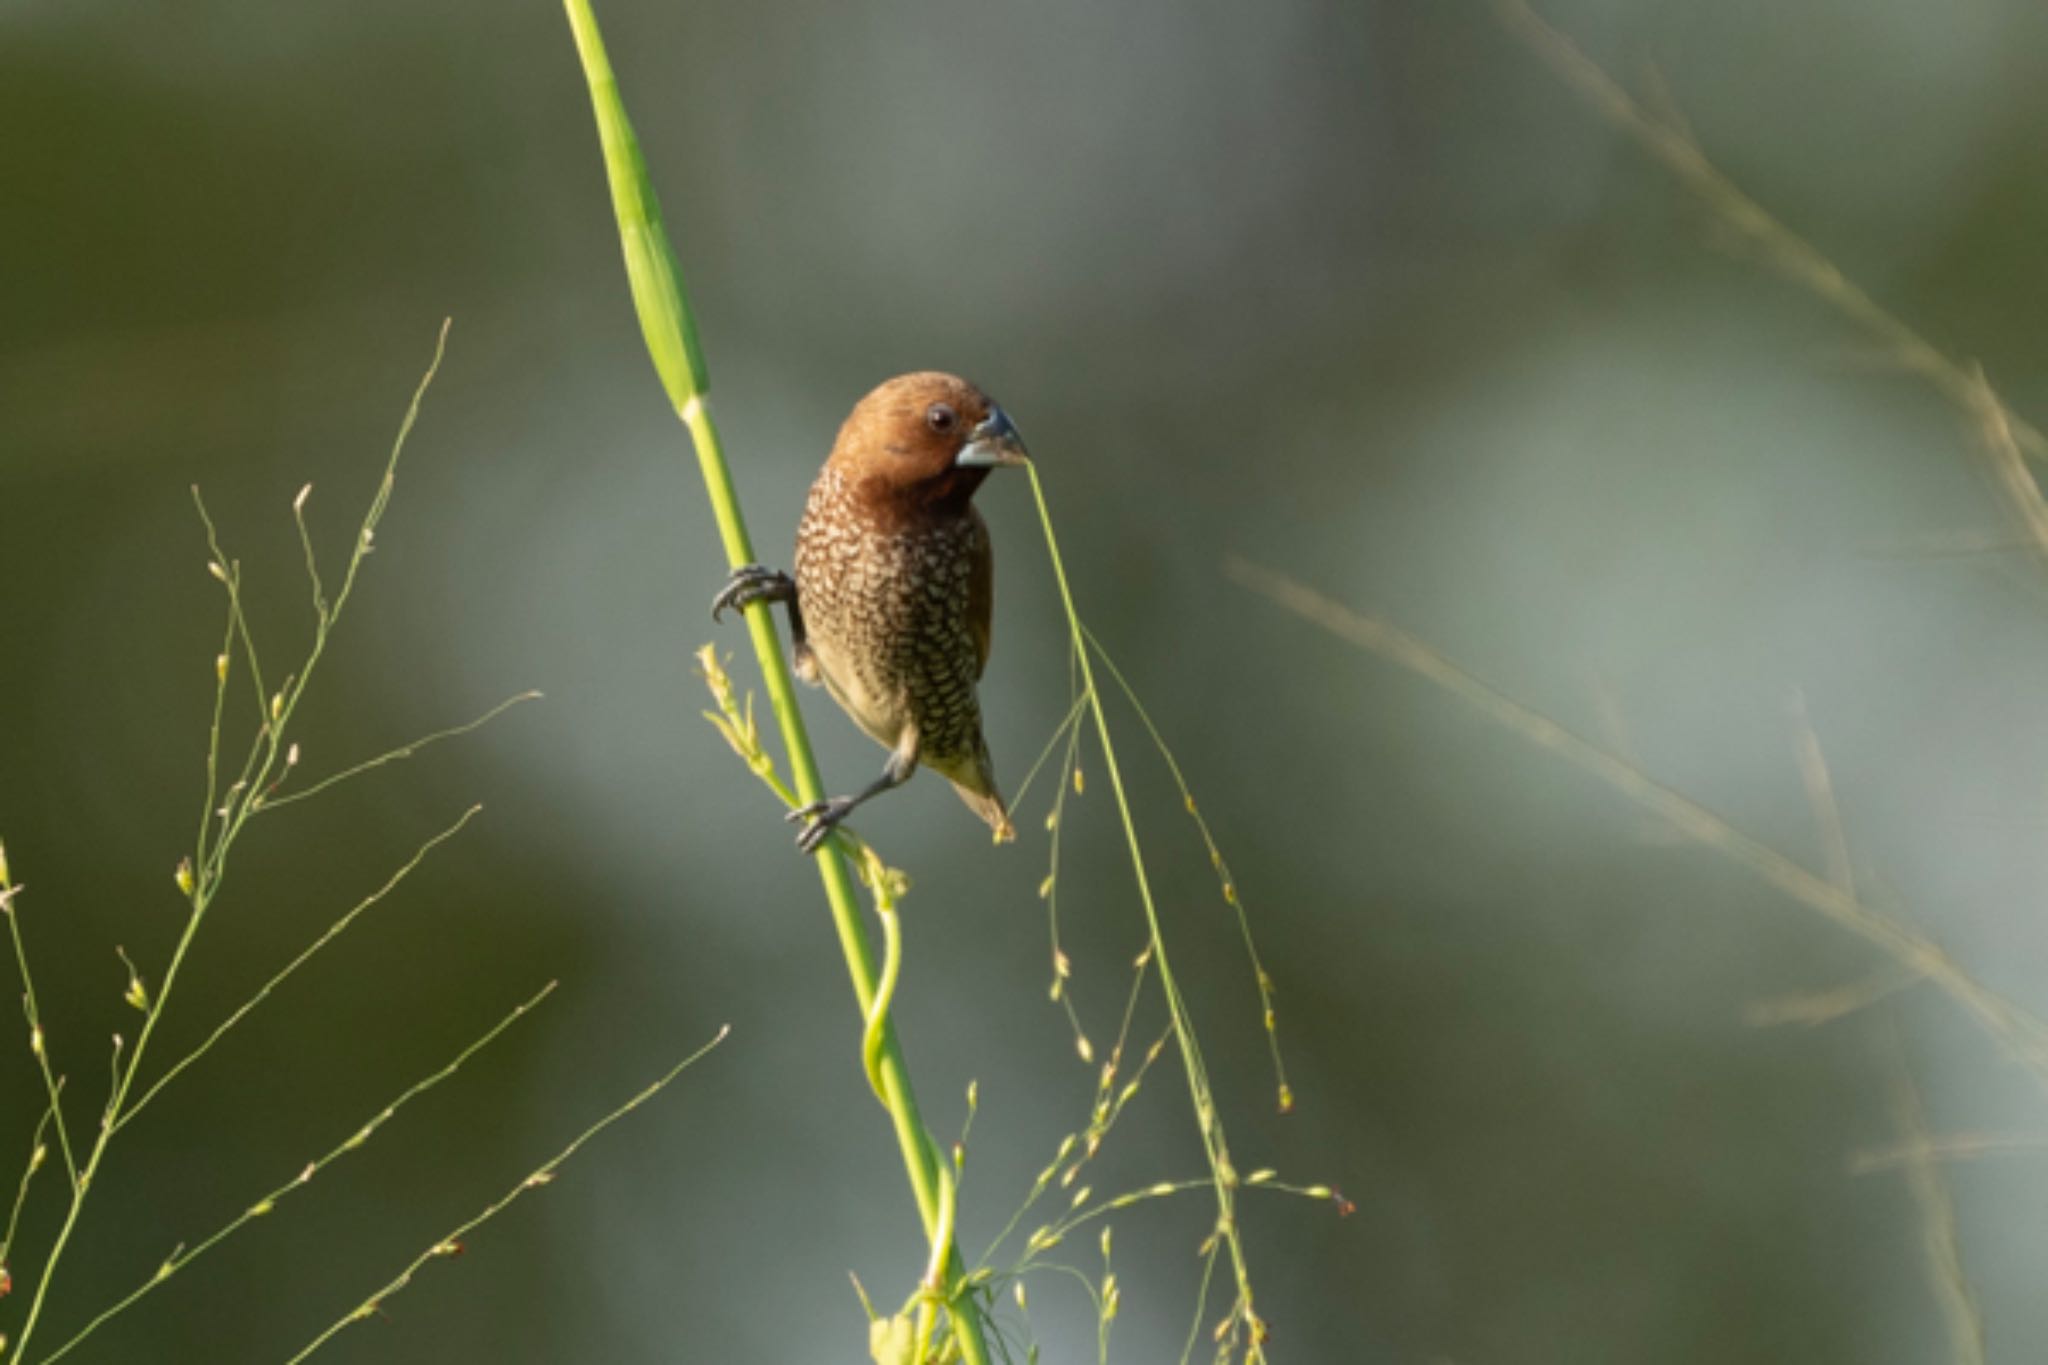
pixel 752 583
pixel 823 817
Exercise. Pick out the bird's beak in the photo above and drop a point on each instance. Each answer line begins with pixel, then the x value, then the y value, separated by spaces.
pixel 993 442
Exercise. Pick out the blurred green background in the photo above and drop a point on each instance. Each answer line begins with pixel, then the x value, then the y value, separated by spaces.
pixel 1360 291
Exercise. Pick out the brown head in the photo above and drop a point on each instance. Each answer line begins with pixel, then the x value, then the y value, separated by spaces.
pixel 924 442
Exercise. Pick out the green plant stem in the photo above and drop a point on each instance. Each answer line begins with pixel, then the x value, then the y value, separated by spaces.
pixel 184 1256
pixel 920 1155
pixel 404 751
pixel 1260 976
pixel 1183 1026
pixel 666 321
pixel 53 1084
pixel 124 1078
pixel 451 1245
pixel 36 1158
pixel 210 870
pixel 334 931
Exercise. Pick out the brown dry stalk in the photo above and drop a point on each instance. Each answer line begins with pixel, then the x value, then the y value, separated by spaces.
pixel 1937 1220
pixel 1666 138
pixel 2023 1035
pixel 1954 1147
pixel 1820 794
pixel 1823 1007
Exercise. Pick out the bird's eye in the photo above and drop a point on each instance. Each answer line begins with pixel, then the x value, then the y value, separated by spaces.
pixel 941 418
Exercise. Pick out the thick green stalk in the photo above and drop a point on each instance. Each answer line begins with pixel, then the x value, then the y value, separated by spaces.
pixel 671 334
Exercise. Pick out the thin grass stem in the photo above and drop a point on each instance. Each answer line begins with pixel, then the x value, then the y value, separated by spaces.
pixel 201 882
pixel 264 1206
pixel 403 752
pixel 38 1153
pixel 2022 1034
pixel 334 931
pixel 39 1043
pixel 1208 1120
pixel 1268 1016
pixel 451 1244
pixel 1666 138
pixel 1937 1218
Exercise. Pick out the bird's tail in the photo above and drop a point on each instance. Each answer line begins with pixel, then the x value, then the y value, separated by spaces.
pixel 989 806
pixel 976 783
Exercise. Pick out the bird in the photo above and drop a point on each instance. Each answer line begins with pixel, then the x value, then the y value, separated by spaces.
pixel 889 609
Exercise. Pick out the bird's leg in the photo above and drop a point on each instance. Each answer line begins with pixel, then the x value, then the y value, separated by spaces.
pixel 824 816
pixel 759 583
pixel 753 583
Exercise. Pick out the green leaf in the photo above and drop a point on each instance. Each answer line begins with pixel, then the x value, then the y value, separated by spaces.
pixel 651 269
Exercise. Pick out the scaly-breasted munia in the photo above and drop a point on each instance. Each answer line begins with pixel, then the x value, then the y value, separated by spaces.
pixel 889 608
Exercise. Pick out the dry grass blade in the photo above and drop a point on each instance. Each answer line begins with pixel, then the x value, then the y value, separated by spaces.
pixel 1938 1219
pixel 1956 1147
pixel 2000 432
pixel 452 1244
pixel 2008 438
pixel 1820 794
pixel 1672 144
pixel 2022 1034
pixel 1823 1007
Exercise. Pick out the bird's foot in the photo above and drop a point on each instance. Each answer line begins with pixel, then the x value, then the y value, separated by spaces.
pixel 823 817
pixel 753 583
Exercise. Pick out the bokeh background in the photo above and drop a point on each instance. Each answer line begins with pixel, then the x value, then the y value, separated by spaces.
pixel 1359 291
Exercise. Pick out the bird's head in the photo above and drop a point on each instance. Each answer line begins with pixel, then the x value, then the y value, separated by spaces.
pixel 926 439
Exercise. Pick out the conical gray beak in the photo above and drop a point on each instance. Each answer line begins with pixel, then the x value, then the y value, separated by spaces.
pixel 993 442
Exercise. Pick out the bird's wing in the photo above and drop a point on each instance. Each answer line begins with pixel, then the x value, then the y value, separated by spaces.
pixel 981 592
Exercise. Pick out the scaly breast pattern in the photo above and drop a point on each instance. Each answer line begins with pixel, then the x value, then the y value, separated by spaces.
pixel 886 611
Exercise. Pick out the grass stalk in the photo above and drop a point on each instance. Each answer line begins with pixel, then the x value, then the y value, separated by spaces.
pixel 1223 1173
pixel 268 763
pixel 1269 1017
pixel 2023 1034
pixel 670 330
pixel 264 1206
pixel 403 751
pixel 199 877
pixel 2009 440
pixel 451 1244
pixel 1958 1147
pixel 53 1084
pixel 333 931
pixel 1937 1218
pixel 38 1154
